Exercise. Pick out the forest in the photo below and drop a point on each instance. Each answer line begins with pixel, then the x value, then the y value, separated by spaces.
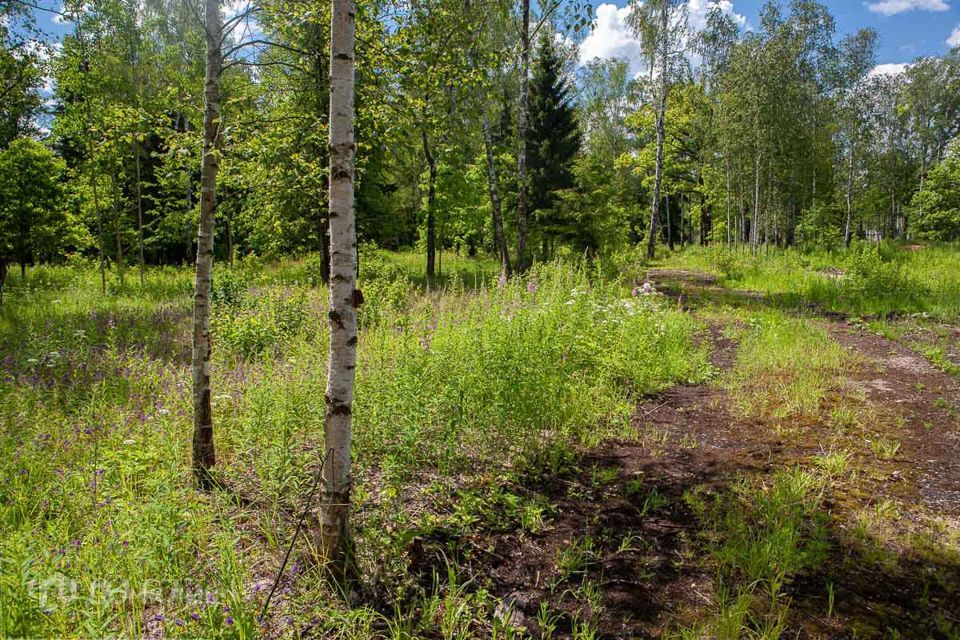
pixel 413 319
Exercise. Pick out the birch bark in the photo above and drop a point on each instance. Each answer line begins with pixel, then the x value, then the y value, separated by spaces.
pixel 335 540
pixel 204 456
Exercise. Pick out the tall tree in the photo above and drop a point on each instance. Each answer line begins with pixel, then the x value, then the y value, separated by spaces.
pixel 522 184
pixel 335 540
pixel 662 27
pixel 204 456
pixel 857 54
pixel 31 215
pixel 553 137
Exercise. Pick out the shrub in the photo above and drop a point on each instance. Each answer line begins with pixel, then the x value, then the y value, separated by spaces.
pixel 262 322
pixel 876 282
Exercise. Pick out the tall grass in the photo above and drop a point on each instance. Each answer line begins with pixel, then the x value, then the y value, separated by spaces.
pixel 785 367
pixel 867 280
pixel 104 533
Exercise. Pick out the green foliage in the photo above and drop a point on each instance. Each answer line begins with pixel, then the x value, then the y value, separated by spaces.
pixel 553 137
pixel 762 536
pixel 785 367
pixel 547 360
pixel 820 227
pixel 94 405
pixel 33 222
pixel 937 206
pixel 260 324
pixel 871 277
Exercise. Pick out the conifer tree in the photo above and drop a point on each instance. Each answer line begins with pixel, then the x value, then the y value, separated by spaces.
pixel 553 137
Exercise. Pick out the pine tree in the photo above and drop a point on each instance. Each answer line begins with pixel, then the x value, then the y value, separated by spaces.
pixel 553 136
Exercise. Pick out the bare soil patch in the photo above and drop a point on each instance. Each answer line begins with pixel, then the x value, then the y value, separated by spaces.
pixel 625 548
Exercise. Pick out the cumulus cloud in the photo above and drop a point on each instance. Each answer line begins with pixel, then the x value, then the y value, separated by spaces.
pixel 889 69
pixel 893 7
pixel 698 11
pixel 612 37
pixel 954 39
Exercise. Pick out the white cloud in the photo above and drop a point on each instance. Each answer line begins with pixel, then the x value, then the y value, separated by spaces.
pixel 954 39
pixel 889 69
pixel 893 7
pixel 699 10
pixel 612 37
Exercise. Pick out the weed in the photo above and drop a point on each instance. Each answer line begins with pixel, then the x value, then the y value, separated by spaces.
pixel 835 464
pixel 575 558
pixel 785 367
pixel 764 535
pixel 844 417
pixel 885 448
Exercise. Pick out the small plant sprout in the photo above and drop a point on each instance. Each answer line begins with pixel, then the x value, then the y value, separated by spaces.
pixel 835 464
pixel 885 448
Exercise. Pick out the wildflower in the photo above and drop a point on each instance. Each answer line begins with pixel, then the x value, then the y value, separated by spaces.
pixel 229 621
pixel 532 286
pixel 158 617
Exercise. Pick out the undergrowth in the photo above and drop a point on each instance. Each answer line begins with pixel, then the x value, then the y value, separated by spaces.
pixel 104 533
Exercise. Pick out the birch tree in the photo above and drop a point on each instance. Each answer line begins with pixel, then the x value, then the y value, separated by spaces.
pixel 662 27
pixel 522 262
pixel 204 456
pixel 335 540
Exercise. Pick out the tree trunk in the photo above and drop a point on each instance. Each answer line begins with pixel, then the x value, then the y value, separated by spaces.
pixel 755 222
pixel 661 116
pixel 325 247
pixel 522 262
pixel 431 201
pixel 96 206
pixel 116 226
pixel 204 457
pixel 498 234
pixel 847 228
pixel 135 68
pixel 335 541
pixel 136 159
pixel 189 227
pixel 727 169
pixel 229 229
pixel 3 277
pixel 657 180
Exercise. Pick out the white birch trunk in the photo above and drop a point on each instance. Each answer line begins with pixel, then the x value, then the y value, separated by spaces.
pixel 522 263
pixel 203 450
pixel 661 115
pixel 494 184
pixel 335 542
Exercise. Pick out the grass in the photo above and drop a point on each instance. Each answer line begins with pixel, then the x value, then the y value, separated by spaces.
pixel 467 381
pixel 761 535
pixel 866 281
pixel 785 367
pixel 468 391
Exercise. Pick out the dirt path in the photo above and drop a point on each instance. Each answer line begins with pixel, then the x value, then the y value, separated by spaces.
pixel 913 401
pixel 622 526
pixel 919 404
pixel 624 545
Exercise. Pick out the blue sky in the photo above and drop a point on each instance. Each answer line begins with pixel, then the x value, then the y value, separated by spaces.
pixel 908 28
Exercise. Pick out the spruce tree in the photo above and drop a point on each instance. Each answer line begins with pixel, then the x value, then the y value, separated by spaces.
pixel 553 137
